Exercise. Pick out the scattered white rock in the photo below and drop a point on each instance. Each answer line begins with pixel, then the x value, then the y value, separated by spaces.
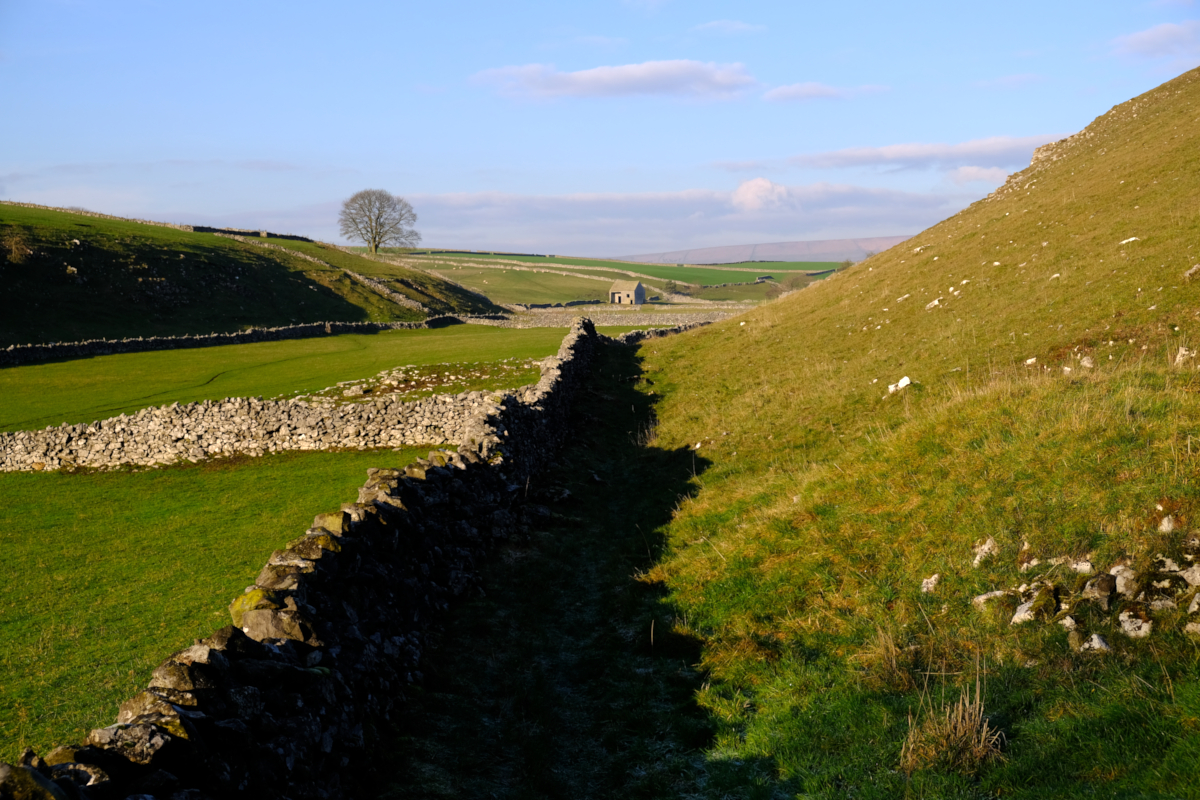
pixel 995 263
pixel 1096 644
pixel 1030 361
pixel 1167 525
pixel 1192 629
pixel 1024 613
pixel 1066 370
pixel 930 583
pixel 984 550
pixel 1183 355
pixel 1191 575
pixel 1086 362
pixel 1068 622
pixel 932 304
pixel 982 600
pixel 1083 566
pixel 895 387
pixel 1055 275
pixel 1163 604
pixel 1126 580
pixel 1165 564
pixel 1191 273
pixel 1134 626
pixel 902 299
pixel 1131 239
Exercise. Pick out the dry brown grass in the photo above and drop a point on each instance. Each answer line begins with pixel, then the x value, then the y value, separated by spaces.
pixel 956 737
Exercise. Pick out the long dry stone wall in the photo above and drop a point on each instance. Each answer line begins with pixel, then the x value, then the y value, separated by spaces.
pixel 252 426
pixel 282 702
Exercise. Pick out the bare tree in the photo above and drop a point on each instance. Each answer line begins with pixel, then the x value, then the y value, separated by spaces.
pixel 376 218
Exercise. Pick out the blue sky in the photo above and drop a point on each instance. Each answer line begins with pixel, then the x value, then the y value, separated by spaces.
pixel 601 127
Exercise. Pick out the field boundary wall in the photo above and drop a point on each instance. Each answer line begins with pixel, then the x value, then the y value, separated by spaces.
pixel 253 426
pixel 282 703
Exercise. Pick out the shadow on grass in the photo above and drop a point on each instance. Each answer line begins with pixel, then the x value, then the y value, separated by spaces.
pixel 568 678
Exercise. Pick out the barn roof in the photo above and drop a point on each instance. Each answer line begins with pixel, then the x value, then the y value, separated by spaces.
pixel 625 286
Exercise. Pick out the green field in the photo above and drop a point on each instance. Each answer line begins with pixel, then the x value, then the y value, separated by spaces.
pixel 520 286
pixel 106 574
pixel 1051 409
pixel 686 274
pixel 39 395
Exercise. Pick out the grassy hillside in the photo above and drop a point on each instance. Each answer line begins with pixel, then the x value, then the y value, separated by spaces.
pixel 1050 411
pixel 66 276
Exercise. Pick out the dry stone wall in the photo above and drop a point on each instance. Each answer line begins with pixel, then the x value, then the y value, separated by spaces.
pixel 253 426
pixel 282 702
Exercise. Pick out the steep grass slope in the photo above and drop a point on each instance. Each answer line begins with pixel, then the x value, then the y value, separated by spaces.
pixel 66 276
pixel 1049 333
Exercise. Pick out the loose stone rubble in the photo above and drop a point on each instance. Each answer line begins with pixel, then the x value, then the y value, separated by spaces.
pixel 1135 597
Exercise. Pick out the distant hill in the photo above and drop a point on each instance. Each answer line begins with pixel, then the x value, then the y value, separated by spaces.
pixel 67 276
pixel 824 250
pixel 966 465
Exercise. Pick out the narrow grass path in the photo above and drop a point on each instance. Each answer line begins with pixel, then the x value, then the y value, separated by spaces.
pixel 568 679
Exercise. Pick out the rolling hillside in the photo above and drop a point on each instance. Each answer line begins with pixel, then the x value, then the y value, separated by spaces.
pixel 66 276
pixel 1048 434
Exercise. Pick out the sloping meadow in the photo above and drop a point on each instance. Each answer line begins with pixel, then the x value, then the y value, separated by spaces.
pixel 1048 435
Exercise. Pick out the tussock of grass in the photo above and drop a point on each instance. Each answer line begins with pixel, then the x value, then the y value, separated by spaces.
pixel 956 737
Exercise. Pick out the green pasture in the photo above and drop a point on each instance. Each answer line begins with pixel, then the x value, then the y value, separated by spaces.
pixel 105 574
pixel 697 274
pixel 41 395
pixel 521 286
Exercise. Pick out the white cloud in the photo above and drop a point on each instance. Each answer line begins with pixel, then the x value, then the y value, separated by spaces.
pixel 757 194
pixel 815 91
pixel 995 151
pixel 992 175
pixel 729 26
pixel 682 78
pixel 1180 41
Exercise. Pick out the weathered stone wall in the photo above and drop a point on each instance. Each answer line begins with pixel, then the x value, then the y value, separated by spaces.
pixel 281 703
pixel 252 426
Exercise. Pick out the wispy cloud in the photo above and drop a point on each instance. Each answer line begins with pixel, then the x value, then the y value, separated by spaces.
pixel 1010 81
pixel 680 78
pixel 817 91
pixel 995 151
pixel 1179 42
pixel 729 26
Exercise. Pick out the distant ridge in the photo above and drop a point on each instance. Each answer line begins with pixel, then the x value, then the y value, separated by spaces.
pixel 824 250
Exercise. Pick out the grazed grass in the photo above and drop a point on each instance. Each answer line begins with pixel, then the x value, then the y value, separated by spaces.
pixel 84 390
pixel 105 574
pixel 829 500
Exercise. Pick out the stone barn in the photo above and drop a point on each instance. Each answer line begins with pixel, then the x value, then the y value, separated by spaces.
pixel 627 293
